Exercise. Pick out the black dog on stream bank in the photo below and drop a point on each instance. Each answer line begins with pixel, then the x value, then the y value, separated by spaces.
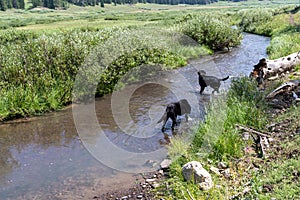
pixel 181 107
pixel 211 81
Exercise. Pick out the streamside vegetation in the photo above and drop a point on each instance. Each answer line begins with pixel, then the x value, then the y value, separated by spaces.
pixel 217 139
pixel 282 25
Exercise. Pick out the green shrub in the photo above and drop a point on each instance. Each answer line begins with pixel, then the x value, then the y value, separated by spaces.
pixel 210 31
pixel 256 21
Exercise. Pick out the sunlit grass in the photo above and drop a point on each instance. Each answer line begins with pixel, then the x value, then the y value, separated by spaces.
pixel 85 24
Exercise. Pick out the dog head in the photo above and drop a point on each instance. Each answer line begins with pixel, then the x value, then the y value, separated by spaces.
pixel 201 72
pixel 185 106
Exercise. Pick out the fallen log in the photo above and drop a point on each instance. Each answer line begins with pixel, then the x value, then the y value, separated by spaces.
pixel 266 68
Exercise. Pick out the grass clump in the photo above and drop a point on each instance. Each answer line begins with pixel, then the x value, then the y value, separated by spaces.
pixel 283 45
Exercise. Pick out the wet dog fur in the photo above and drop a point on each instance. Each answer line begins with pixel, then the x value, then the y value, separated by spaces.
pixel 211 81
pixel 181 107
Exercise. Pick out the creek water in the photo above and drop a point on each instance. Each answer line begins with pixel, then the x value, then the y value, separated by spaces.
pixel 45 158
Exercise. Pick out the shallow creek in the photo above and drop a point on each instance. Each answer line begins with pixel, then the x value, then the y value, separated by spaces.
pixel 45 158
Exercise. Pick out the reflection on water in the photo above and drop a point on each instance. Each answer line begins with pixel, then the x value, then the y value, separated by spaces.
pixel 44 158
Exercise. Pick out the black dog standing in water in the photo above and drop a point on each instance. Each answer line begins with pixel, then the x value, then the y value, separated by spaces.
pixel 173 110
pixel 211 81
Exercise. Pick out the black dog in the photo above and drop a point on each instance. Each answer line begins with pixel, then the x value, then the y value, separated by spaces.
pixel 211 81
pixel 173 110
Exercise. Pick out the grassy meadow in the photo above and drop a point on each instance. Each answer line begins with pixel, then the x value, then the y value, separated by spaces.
pixel 42 50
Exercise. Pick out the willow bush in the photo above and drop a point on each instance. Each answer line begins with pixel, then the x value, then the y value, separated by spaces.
pixel 210 31
pixel 37 72
pixel 256 21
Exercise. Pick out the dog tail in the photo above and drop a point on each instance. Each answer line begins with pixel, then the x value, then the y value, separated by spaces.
pixel 224 79
pixel 162 117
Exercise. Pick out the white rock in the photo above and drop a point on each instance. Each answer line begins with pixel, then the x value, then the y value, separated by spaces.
pixel 165 164
pixel 193 171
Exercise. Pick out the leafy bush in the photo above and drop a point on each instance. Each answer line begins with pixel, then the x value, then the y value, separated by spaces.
pixel 256 21
pixel 14 36
pixel 210 31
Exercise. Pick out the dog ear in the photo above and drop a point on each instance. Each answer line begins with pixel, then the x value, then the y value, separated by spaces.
pixel 199 73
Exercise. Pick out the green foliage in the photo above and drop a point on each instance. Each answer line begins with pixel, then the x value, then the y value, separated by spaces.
pixel 256 21
pixel 218 133
pixel 245 89
pixel 210 31
pixel 278 23
pixel 284 45
pixel 281 174
pixel 14 36
pixel 124 63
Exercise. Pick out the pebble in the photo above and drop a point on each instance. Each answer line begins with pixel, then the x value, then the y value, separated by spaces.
pixel 155 185
pixel 222 165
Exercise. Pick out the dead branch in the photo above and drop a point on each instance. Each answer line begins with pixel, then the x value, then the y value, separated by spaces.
pixel 251 130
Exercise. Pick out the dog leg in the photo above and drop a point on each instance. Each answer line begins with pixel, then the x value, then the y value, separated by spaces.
pixel 202 89
pixel 186 117
pixel 173 117
pixel 163 127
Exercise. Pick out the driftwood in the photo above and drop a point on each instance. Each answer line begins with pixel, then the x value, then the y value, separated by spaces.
pixel 268 69
pixel 261 141
pixel 251 130
pixel 286 87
